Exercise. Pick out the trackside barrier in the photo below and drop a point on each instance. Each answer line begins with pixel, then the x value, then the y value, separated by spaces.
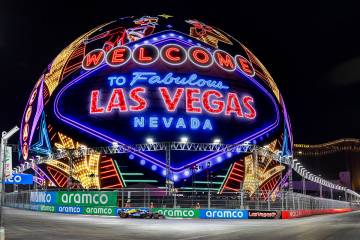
pixel 225 207
pixel 74 202
pixel 289 214
pixel 178 212
pixel 186 213
pixel 217 213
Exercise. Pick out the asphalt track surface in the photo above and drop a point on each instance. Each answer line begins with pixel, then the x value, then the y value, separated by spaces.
pixel 22 224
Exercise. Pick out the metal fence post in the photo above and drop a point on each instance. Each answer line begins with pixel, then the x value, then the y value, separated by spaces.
pixel 122 198
pixel 144 198
pixel 174 195
pixel 255 168
pixel 209 199
pixel 241 199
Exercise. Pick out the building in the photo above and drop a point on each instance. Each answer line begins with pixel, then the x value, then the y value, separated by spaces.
pixel 148 80
pixel 334 160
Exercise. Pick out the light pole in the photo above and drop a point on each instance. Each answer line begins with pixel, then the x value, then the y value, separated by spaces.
pixel 4 138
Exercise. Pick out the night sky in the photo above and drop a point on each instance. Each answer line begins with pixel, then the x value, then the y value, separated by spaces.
pixel 311 50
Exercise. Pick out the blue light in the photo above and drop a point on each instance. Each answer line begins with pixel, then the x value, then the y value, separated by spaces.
pixel 153 167
pixel 171 35
pixel 219 159
pixel 142 162
pixel 164 172
pixel 229 154
pixel 163 36
pixel 193 123
pixel 131 156
pixel 186 173
pixel 146 42
pixel 154 78
pixel 175 178
pixel 97 133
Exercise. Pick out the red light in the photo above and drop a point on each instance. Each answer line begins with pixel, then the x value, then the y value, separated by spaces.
pixel 118 56
pixel 252 113
pixel 93 59
pixel 171 104
pixel 213 106
pixel 173 54
pixel 145 54
pixel 233 105
pixel 191 99
pixel 134 95
pixel 244 65
pixel 117 101
pixel 224 60
pixel 94 102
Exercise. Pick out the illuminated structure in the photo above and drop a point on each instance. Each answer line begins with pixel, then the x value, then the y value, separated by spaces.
pixel 156 79
pixel 333 157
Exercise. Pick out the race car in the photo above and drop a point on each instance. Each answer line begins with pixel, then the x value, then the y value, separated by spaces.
pixel 139 213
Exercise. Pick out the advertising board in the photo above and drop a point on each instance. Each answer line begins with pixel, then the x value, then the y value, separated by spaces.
pixel 90 199
pixel 178 212
pixel 260 214
pixel 20 179
pixel 223 214
pixel 43 197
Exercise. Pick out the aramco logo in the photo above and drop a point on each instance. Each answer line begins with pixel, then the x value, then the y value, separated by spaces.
pixel 42 197
pixel 84 198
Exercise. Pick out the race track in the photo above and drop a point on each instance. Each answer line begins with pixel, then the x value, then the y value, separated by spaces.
pixel 21 224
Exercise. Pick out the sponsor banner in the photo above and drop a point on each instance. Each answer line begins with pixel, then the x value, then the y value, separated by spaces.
pixel 289 214
pixel 20 179
pixel 47 208
pixel 223 213
pixel 34 207
pixel 8 162
pixel 69 209
pixel 108 199
pixel 43 197
pixel 258 214
pixel 178 212
pixel 109 211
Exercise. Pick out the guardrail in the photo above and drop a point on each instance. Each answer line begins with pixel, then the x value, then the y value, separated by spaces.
pixel 158 198
pixel 180 205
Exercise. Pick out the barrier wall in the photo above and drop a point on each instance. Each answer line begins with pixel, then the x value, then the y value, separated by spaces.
pixel 105 203
pixel 289 214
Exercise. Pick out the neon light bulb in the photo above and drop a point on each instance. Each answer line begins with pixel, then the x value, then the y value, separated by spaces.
pixel 217 140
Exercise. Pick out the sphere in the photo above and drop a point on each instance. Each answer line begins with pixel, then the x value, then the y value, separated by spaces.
pixel 153 80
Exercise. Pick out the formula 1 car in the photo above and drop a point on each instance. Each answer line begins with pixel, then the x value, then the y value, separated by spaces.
pixel 139 213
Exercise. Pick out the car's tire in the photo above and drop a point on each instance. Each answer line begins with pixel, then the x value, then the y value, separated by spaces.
pixel 124 215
